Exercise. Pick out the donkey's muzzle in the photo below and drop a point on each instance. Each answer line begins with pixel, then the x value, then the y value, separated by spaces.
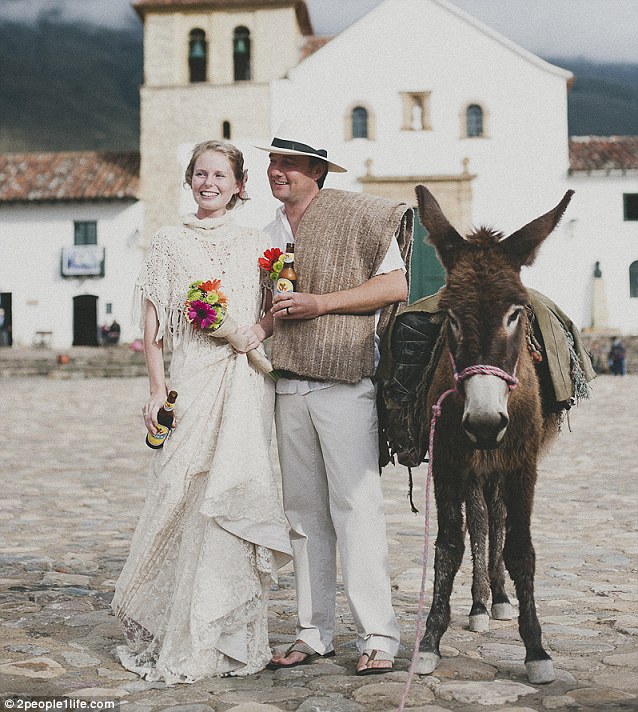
pixel 485 430
pixel 485 418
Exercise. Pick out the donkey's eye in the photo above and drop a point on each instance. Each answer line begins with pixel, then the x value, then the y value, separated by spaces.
pixel 514 316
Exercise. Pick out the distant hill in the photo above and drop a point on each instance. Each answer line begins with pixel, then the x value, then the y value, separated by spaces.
pixel 69 87
pixel 76 87
pixel 604 98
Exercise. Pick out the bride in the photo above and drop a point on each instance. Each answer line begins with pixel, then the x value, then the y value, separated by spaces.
pixel 192 596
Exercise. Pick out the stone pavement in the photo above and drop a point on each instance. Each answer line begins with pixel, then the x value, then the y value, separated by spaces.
pixel 72 469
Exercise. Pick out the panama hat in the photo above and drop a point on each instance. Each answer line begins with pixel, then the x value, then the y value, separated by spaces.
pixel 296 139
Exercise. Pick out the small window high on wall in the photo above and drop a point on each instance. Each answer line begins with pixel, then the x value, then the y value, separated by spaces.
pixel 359 122
pixel 633 279
pixel 241 54
pixel 85 233
pixel 630 206
pixel 226 130
pixel 197 55
pixel 474 118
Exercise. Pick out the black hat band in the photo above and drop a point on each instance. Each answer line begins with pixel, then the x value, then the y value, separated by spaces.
pixel 296 146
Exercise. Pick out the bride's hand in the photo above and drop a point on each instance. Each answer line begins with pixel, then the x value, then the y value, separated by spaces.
pixel 151 408
pixel 255 335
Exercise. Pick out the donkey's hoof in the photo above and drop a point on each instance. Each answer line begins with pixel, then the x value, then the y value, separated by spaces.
pixel 540 672
pixel 480 623
pixel 503 611
pixel 427 663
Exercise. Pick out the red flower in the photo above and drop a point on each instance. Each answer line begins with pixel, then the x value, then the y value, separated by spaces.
pixel 270 257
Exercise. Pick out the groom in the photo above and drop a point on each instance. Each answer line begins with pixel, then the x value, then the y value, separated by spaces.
pixel 350 254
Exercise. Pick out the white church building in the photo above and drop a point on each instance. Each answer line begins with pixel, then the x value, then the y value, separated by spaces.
pixel 416 91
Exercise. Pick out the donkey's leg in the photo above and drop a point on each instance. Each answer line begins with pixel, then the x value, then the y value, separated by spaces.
pixel 476 516
pixel 501 607
pixel 520 560
pixel 448 557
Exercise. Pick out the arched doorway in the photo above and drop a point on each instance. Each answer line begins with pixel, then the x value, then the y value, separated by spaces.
pixel 85 320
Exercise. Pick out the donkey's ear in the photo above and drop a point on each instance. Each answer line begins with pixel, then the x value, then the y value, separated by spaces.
pixel 442 235
pixel 523 244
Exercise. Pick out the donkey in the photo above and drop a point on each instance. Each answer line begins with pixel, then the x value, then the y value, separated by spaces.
pixel 491 428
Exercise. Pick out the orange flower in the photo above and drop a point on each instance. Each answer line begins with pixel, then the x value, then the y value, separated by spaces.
pixel 210 285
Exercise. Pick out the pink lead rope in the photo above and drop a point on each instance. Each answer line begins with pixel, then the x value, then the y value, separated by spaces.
pixel 512 382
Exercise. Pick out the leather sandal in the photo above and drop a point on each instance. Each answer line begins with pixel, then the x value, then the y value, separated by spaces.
pixel 305 649
pixel 376 655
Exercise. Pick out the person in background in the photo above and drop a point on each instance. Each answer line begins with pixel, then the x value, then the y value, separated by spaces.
pixel 617 357
pixel 4 335
pixel 113 333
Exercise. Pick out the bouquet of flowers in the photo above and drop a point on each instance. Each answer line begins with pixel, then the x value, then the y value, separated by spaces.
pixel 272 263
pixel 206 308
pixel 206 305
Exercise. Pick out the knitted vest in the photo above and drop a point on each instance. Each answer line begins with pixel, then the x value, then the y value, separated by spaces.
pixel 340 243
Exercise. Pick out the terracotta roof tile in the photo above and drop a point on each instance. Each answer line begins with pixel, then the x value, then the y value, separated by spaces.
pixel 312 44
pixel 600 153
pixel 141 6
pixel 68 176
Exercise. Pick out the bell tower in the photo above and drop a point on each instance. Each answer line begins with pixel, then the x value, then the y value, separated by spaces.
pixel 208 68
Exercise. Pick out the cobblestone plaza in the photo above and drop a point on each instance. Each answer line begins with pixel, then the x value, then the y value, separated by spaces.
pixel 73 466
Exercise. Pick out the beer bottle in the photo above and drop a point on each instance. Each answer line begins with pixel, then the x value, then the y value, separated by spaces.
pixel 287 281
pixel 165 418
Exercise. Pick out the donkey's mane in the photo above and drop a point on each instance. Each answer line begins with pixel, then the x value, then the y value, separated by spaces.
pixel 485 236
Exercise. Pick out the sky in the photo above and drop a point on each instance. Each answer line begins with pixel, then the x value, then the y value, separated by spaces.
pixel 602 30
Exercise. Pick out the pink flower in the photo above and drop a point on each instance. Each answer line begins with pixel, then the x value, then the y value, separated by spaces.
pixel 201 314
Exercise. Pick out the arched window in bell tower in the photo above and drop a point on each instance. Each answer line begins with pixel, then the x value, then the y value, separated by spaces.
pixel 197 55
pixel 241 53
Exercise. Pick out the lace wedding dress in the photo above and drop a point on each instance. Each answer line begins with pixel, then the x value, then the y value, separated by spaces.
pixel 192 595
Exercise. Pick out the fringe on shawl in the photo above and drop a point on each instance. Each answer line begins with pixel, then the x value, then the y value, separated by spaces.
pixel 173 326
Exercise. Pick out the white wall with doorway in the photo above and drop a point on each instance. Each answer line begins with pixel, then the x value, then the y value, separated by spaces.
pixel 33 236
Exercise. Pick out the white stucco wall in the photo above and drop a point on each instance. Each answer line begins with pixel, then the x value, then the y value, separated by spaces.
pixel 593 230
pixel 30 258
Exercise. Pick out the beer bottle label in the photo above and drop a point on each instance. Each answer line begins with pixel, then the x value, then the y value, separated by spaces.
pixel 160 436
pixel 284 285
pixel 288 257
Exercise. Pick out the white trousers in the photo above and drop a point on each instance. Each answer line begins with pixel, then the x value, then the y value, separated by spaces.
pixel 328 450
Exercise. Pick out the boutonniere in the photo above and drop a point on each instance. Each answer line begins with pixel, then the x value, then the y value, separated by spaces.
pixel 272 263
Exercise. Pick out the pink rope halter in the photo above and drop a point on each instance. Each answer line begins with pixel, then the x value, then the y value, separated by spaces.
pixel 483 369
